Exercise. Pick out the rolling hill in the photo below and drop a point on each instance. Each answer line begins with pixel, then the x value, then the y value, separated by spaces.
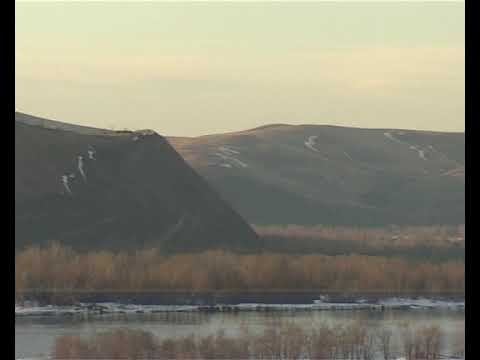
pixel 98 189
pixel 314 174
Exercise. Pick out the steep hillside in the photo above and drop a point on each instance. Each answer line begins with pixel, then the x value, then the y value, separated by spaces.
pixel 99 189
pixel 310 174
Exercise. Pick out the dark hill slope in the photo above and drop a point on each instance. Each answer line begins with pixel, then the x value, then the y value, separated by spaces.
pixel 311 174
pixel 128 190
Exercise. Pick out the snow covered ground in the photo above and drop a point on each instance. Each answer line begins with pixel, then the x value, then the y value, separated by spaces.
pixel 118 308
pixel 98 308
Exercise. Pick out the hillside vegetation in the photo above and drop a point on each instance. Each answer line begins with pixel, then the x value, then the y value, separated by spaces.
pixel 99 189
pixel 330 175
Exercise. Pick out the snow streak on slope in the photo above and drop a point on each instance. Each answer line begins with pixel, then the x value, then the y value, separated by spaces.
pixel 227 154
pixel 175 228
pixel 421 153
pixel 65 184
pixel 228 150
pixel 311 142
pixel 91 153
pixel 80 167
pixel 348 155
pixel 391 137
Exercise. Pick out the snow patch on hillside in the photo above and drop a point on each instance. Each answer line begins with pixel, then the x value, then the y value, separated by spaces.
pixel 347 155
pixel 228 155
pixel 66 184
pixel 91 153
pixel 228 150
pixel 80 167
pixel 311 142
pixel 421 153
pixel 419 150
pixel 394 139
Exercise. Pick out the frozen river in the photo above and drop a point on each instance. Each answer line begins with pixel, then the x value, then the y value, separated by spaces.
pixel 35 335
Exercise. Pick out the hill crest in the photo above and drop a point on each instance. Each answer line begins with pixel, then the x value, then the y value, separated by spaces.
pixel 90 190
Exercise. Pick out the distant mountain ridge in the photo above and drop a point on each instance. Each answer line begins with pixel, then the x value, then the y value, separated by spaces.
pixel 58 125
pixel 100 189
pixel 318 174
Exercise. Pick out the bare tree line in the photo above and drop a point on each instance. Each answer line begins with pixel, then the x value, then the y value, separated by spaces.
pixel 57 268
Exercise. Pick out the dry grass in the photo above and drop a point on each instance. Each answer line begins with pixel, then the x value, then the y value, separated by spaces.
pixel 400 236
pixel 61 269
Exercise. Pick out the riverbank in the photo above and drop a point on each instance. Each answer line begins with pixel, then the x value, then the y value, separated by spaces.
pixel 100 308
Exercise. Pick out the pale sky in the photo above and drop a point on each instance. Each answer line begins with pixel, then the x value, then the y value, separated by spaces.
pixel 190 69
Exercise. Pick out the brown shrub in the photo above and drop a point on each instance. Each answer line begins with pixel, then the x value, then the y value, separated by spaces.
pixel 61 271
pixel 280 340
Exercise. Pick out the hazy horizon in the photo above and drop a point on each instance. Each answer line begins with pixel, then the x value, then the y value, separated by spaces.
pixel 240 130
pixel 200 68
